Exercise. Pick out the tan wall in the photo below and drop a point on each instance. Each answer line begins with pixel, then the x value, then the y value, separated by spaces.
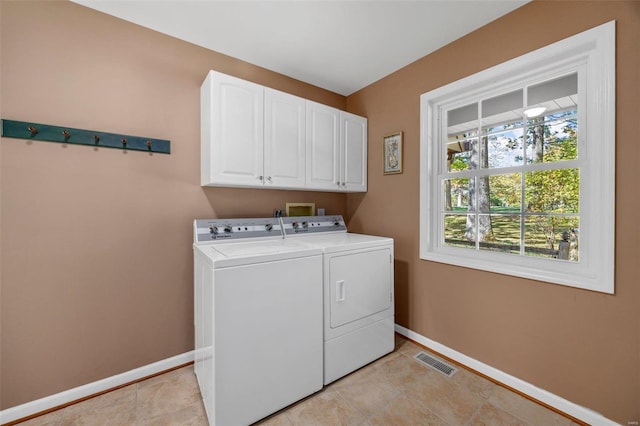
pixel 96 243
pixel 581 345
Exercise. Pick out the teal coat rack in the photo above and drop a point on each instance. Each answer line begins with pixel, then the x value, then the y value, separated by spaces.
pixel 71 136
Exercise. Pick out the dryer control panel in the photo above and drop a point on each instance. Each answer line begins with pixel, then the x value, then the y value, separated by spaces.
pixel 293 225
pixel 236 229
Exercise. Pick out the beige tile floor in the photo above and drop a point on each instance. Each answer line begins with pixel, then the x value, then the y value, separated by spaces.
pixel 395 390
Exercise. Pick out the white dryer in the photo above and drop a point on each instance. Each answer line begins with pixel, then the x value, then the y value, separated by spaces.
pixel 258 319
pixel 358 292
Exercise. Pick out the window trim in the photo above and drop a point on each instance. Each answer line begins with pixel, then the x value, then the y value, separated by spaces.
pixel 591 54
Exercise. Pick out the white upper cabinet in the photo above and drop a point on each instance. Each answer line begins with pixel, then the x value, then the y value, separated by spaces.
pixel 323 147
pixel 353 164
pixel 254 136
pixel 232 131
pixel 336 149
pixel 284 140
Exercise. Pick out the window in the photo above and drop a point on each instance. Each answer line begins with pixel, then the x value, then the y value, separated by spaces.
pixel 517 165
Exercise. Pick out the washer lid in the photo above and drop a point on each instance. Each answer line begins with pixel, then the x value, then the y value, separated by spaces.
pixel 247 253
pixel 257 248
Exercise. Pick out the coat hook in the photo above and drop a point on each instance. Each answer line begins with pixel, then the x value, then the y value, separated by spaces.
pixel 33 130
pixel 124 141
pixel 149 144
pixel 66 134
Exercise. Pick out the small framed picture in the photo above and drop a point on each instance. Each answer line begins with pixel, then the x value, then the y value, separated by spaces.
pixel 301 209
pixel 392 153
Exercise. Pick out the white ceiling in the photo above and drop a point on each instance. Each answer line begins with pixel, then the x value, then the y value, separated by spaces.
pixel 341 46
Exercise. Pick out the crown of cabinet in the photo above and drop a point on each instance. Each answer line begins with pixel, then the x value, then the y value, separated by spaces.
pixel 257 137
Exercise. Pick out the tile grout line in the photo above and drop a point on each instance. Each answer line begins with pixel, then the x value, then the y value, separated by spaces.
pixel 404 391
pixel 64 406
pixel 346 401
pixel 137 411
pixel 484 399
pixel 498 383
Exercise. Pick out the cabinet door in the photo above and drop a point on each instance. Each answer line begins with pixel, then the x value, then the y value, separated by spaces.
pixel 353 162
pixel 232 131
pixel 323 147
pixel 284 140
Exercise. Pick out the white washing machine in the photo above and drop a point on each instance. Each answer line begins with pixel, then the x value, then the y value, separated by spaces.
pixel 358 292
pixel 258 319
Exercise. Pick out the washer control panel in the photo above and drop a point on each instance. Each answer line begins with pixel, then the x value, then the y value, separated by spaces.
pixel 236 229
pixel 293 225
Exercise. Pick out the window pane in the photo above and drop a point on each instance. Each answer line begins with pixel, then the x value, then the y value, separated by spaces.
pixel 462 137
pixel 552 237
pixel 504 149
pixel 553 137
pixel 563 136
pixel 551 90
pixel 552 127
pixel 505 233
pixel 502 109
pixel 505 192
pixel 459 154
pixel 502 126
pixel 456 194
pixel 553 191
pixel 479 194
pixel 478 227
pixel 455 227
pixel 462 119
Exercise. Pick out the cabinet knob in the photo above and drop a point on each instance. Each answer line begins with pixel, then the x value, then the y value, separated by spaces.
pixel 268 178
pixel 261 178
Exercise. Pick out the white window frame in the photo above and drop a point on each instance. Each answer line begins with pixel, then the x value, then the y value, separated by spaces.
pixel 591 54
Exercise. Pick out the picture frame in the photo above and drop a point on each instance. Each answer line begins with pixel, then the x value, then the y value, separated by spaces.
pixel 392 153
pixel 301 209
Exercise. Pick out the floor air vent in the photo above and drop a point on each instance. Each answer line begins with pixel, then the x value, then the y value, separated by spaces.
pixel 436 364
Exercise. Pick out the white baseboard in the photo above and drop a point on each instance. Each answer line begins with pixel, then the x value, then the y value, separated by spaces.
pixel 58 399
pixel 582 413
pixel 52 401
